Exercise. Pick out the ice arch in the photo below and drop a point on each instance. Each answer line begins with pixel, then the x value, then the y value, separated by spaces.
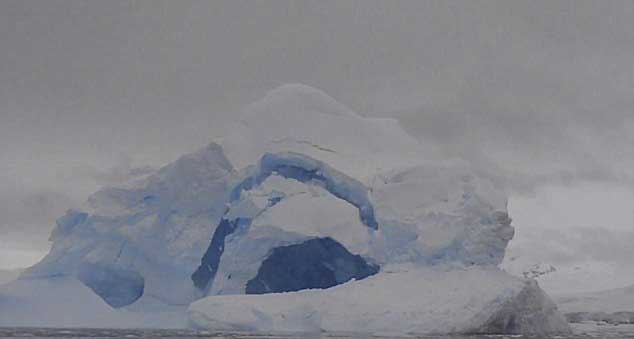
pixel 291 166
pixel 308 170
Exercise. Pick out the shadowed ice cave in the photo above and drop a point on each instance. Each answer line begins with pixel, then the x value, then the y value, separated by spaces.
pixel 316 263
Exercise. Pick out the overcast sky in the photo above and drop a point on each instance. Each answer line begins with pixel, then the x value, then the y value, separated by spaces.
pixel 92 92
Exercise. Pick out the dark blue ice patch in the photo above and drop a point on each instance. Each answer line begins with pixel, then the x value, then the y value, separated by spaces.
pixel 210 261
pixel 316 263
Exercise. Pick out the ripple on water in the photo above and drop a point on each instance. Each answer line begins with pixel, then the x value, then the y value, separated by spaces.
pixel 582 331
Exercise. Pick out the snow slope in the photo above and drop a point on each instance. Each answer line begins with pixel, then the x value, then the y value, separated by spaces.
pixel 403 300
pixel 298 118
pixel 609 301
pixel 575 260
pixel 297 173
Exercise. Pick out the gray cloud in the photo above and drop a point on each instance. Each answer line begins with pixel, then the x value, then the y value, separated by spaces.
pixel 562 247
pixel 541 90
pixel 121 172
pixel 28 217
pixel 28 213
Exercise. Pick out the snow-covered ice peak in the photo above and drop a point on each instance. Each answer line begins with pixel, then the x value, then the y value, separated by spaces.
pixel 301 119
pixel 208 162
pixel 299 99
pixel 182 180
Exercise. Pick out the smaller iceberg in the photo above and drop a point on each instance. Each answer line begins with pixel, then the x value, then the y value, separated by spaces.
pixel 401 300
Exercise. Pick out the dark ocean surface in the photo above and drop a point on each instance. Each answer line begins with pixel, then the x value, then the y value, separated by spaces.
pixel 588 330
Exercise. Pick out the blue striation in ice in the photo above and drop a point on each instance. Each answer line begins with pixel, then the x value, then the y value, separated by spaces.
pixel 209 263
pixel 308 170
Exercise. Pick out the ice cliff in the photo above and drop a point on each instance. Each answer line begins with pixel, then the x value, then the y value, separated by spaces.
pixel 304 216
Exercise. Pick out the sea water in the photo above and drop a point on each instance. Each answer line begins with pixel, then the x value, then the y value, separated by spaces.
pixel 584 330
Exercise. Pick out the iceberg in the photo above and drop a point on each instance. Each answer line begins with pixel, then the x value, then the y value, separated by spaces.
pixel 304 216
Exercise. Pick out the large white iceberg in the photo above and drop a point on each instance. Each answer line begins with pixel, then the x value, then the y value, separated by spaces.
pixel 356 218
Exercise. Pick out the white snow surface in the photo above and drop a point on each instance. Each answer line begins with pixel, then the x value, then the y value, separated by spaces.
pixel 398 300
pixel 379 192
pixel 440 213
